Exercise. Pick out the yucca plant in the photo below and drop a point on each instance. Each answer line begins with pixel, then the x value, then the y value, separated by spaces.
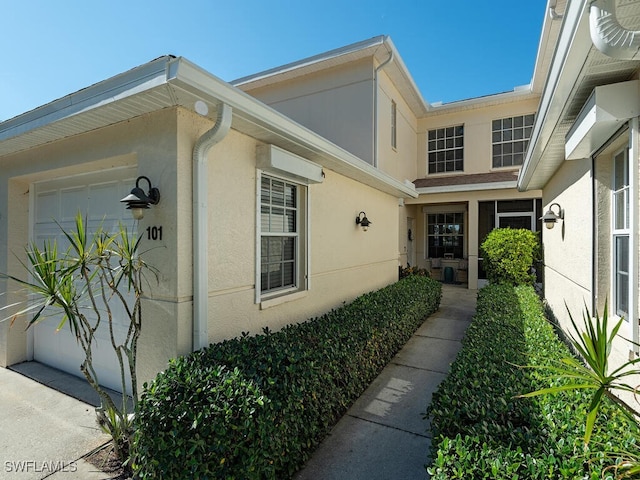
pixel 593 344
pixel 85 283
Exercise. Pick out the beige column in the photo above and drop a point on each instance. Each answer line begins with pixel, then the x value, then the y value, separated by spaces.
pixel 472 246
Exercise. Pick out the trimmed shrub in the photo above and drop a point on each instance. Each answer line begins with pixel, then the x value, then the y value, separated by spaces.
pixel 509 254
pixel 296 382
pixel 481 430
pixel 200 397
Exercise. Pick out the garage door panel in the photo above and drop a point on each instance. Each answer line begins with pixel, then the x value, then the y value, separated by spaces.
pixel 72 201
pixel 58 202
pixel 102 204
pixel 47 207
pixel 62 350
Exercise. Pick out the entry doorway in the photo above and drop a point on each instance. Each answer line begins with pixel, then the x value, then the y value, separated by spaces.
pixel 505 214
pixel 411 249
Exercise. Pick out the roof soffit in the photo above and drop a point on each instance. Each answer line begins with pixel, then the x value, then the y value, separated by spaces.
pixel 176 82
pixel 568 95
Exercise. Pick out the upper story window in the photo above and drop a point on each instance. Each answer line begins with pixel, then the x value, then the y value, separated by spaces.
pixel 282 244
pixel 510 138
pixel 394 124
pixel 445 149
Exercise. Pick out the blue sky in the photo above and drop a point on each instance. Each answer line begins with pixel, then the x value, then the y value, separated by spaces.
pixel 453 49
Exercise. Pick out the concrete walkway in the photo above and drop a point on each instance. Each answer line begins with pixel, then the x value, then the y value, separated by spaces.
pixel 384 435
pixel 44 433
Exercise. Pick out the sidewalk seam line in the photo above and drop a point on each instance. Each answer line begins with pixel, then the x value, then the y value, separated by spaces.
pixel 418 368
pixel 388 426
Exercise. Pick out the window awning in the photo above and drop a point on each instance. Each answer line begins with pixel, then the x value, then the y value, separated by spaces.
pixel 605 111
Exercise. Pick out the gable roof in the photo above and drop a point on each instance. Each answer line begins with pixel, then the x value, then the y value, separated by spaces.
pixel 171 81
pixel 576 69
pixel 380 48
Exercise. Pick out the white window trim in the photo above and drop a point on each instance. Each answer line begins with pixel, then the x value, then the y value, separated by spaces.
pixel 445 149
pixel 620 232
pixel 455 209
pixel 284 295
pixel 512 141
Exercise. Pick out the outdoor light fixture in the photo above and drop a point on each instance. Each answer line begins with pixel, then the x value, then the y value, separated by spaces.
pixel 137 201
pixel 551 218
pixel 363 221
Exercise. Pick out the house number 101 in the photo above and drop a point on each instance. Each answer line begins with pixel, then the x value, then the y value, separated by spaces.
pixel 154 233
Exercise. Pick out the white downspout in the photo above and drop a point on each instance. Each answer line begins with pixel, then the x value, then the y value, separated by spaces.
pixel 634 154
pixel 608 35
pixel 375 108
pixel 200 225
pixel 552 10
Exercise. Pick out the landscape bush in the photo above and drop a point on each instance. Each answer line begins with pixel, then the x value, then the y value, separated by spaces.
pixel 255 407
pixel 482 430
pixel 509 254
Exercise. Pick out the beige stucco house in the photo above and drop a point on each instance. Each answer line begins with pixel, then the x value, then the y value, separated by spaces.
pixel 584 156
pixel 462 157
pixel 262 180
pixel 256 224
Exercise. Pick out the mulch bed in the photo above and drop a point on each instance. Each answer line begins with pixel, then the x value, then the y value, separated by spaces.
pixel 105 460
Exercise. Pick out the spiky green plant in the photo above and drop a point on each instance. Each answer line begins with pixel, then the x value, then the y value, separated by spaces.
pixel 84 284
pixel 594 344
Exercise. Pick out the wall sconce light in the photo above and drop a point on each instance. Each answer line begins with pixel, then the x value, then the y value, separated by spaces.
pixel 363 221
pixel 137 201
pixel 551 218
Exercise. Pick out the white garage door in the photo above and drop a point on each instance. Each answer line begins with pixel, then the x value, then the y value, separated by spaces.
pixel 97 197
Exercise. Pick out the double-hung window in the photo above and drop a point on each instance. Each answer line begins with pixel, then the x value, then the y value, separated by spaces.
pixel 445 234
pixel 510 139
pixel 445 147
pixel 621 232
pixel 282 220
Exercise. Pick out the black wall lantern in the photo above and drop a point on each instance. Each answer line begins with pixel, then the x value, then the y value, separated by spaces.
pixel 363 221
pixel 137 201
pixel 551 218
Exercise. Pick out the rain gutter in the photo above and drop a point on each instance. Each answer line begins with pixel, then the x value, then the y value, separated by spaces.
pixel 608 35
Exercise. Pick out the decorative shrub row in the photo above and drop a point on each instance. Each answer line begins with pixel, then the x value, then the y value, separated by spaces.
pixel 256 406
pixel 481 430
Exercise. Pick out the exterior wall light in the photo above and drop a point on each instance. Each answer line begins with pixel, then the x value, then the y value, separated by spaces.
pixel 551 218
pixel 363 221
pixel 137 201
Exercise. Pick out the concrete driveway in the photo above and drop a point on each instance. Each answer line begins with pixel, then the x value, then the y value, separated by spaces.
pixel 43 432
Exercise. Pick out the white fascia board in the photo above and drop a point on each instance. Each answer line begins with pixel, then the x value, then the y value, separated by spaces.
pixel 191 78
pixel 322 57
pixel 397 59
pixel 139 79
pixel 475 187
pixel 515 94
pixel 572 49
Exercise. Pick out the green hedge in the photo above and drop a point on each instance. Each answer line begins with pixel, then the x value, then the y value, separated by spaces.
pixel 256 406
pixel 509 254
pixel 480 430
